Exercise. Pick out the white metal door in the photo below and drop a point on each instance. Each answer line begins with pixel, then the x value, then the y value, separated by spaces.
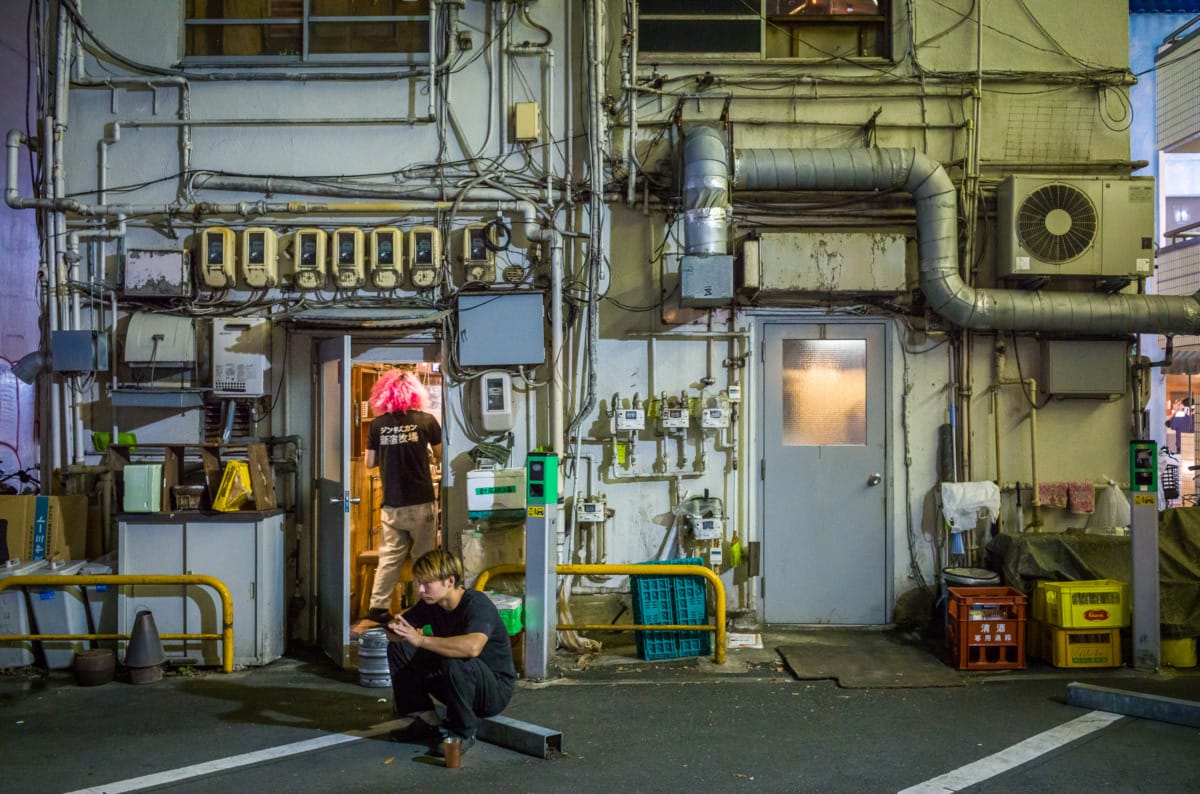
pixel 333 498
pixel 824 489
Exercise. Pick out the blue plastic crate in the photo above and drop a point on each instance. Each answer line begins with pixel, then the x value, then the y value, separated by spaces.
pixel 667 600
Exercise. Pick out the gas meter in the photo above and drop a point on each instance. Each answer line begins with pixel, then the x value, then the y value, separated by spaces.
pixel 630 419
pixel 308 258
pixel 590 511
pixel 479 260
pixel 216 257
pixel 714 418
pixel 386 252
pixel 349 271
pixel 674 418
pixel 424 254
pixel 260 257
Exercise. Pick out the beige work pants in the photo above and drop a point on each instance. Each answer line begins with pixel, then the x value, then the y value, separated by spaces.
pixel 406 530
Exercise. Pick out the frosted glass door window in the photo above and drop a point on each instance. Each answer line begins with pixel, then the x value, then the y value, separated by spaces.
pixel 824 392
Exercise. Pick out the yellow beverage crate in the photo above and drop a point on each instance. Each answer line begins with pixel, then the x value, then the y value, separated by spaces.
pixel 1095 604
pixel 1081 647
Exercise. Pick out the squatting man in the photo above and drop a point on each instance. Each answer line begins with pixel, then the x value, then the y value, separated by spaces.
pixel 464 659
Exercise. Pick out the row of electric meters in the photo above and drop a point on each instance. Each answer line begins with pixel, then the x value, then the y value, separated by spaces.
pixel 344 257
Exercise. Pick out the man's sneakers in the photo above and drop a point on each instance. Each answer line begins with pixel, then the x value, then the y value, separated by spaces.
pixel 465 742
pixel 379 615
pixel 417 732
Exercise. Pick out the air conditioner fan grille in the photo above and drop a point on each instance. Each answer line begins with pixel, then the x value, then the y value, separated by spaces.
pixel 1056 223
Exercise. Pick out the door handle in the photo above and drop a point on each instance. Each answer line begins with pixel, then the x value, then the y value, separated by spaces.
pixel 874 479
pixel 337 500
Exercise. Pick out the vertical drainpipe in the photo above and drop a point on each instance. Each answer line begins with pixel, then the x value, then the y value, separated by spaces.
pixel 705 192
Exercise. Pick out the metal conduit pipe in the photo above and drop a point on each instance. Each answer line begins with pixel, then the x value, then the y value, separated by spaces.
pixel 937 237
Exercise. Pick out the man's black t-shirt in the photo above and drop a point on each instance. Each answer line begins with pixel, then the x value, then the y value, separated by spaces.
pixel 399 440
pixel 475 614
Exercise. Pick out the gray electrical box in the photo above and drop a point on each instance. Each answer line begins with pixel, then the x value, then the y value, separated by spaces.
pixel 1085 368
pixel 78 351
pixel 158 273
pixel 706 280
pixel 501 329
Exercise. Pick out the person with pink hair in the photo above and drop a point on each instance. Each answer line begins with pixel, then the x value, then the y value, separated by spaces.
pixel 402 441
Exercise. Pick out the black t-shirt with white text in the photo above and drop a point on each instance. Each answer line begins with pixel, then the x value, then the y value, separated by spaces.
pixel 400 441
pixel 475 614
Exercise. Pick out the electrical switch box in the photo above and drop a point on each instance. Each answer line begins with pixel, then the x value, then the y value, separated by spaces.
pixel 217 257
pixel 674 418
pixel 630 419
pixel 479 260
pixel 78 351
pixel 158 273
pixel 424 256
pixel 349 258
pixel 308 258
pixel 590 511
pixel 714 418
pixel 387 251
pixel 501 330
pixel 260 258
pixel 527 121
pixel 239 357
pixel 495 401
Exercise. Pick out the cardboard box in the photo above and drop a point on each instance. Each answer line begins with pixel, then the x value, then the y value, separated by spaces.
pixel 45 527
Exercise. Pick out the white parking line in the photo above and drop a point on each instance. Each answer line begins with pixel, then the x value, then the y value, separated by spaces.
pixel 1019 753
pixel 235 761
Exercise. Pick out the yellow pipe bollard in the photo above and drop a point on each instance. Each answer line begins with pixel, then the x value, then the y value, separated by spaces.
pixel 635 570
pixel 226 635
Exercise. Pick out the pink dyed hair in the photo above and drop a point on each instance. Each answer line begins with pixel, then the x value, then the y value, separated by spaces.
pixel 397 390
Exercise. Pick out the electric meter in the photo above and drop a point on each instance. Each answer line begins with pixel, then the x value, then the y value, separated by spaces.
pixel 216 257
pixel 308 258
pixel 349 270
pixel 495 401
pixel 424 254
pixel 714 418
pixel 631 419
pixel 479 260
pixel 674 418
pixel 590 511
pixel 260 257
pixel 386 253
pixel 735 394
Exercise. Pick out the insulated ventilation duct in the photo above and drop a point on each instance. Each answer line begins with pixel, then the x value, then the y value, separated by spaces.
pixel 1084 314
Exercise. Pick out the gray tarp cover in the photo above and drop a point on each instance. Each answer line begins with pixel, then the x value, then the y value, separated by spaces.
pixel 1074 556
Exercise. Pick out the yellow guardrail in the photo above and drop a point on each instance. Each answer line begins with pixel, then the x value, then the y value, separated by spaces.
pixel 635 570
pixel 226 635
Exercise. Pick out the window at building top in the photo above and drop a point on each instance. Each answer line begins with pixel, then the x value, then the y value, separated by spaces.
pixel 807 29
pixel 289 31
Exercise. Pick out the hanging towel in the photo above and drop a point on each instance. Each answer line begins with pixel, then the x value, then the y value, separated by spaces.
pixel 1053 494
pixel 1081 496
pixel 962 501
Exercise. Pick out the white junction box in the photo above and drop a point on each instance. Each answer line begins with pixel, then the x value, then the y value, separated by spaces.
pixel 674 418
pixel 495 489
pixel 240 355
pixel 630 419
pixel 714 418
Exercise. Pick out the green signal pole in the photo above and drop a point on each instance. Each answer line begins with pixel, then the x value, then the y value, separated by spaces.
pixel 1143 529
pixel 541 561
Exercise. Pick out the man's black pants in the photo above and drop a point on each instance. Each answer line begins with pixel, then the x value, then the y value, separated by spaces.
pixel 467 687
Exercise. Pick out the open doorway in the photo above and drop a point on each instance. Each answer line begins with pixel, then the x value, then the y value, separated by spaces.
pixel 1180 437
pixel 366 488
pixel 349 497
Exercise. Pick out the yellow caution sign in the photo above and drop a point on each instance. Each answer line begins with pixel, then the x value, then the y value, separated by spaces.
pixel 1145 499
pixel 536 511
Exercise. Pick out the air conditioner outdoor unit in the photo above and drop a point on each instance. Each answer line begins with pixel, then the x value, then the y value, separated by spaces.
pixel 1096 227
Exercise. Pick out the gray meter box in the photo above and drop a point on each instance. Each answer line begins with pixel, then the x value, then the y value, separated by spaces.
pixel 78 351
pixel 1085 368
pixel 706 280
pixel 501 329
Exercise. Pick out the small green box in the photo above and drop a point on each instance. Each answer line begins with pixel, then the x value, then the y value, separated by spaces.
pixel 512 611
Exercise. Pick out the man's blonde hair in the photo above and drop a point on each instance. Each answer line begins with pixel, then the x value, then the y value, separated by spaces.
pixel 437 565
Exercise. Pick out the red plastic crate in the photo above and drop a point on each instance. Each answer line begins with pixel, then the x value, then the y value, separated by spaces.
pixel 985 628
